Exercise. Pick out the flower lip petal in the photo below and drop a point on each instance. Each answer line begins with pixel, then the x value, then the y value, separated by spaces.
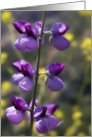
pixel 54 83
pixel 31 30
pixel 25 43
pixel 19 25
pixel 55 68
pixel 51 108
pixel 19 103
pixel 13 115
pixel 41 126
pixel 60 43
pixel 39 112
pixel 59 29
pixel 26 84
pixel 52 122
pixel 17 77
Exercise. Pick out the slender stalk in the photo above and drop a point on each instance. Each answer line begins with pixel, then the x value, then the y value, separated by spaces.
pixel 37 73
pixel 47 32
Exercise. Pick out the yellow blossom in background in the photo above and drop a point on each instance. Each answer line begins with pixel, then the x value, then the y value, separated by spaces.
pixel 22 124
pixel 34 128
pixel 76 115
pixel 3 103
pixel 53 133
pixel 89 128
pixel 2 113
pixel 59 114
pixel 7 17
pixel 69 36
pixel 40 134
pixel 70 131
pixel 81 134
pixel 78 122
pixel 4 57
pixel 73 43
pixel 75 108
pixel 41 71
pixel 85 13
pixel 86 47
pixel 6 86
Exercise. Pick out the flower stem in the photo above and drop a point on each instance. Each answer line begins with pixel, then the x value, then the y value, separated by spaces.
pixel 37 73
pixel 47 32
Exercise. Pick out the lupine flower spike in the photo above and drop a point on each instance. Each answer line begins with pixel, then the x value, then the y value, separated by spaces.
pixel 32 38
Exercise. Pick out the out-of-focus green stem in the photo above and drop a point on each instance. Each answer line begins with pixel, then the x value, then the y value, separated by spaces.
pixel 85 81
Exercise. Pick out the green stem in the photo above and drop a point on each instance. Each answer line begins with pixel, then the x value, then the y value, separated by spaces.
pixel 37 74
pixel 85 81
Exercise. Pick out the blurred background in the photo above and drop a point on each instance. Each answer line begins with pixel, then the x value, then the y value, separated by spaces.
pixel 74 99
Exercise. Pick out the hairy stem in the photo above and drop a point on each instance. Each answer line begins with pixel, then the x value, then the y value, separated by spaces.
pixel 37 73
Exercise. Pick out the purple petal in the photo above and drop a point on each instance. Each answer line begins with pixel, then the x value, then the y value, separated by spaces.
pixel 39 112
pixel 59 29
pixel 28 116
pixel 60 43
pixel 19 103
pixel 26 84
pixel 19 25
pixel 52 122
pixel 43 125
pixel 13 115
pixel 26 68
pixel 17 77
pixel 17 65
pixel 54 83
pixel 36 103
pixel 51 108
pixel 55 68
pixel 38 25
pixel 31 30
pixel 25 43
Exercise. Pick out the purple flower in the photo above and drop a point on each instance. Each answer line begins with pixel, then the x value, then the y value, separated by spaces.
pixel 53 82
pixel 29 40
pixel 57 40
pixel 44 119
pixel 15 114
pixel 24 78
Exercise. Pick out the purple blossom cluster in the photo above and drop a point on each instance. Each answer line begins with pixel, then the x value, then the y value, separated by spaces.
pixel 29 41
pixel 43 115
